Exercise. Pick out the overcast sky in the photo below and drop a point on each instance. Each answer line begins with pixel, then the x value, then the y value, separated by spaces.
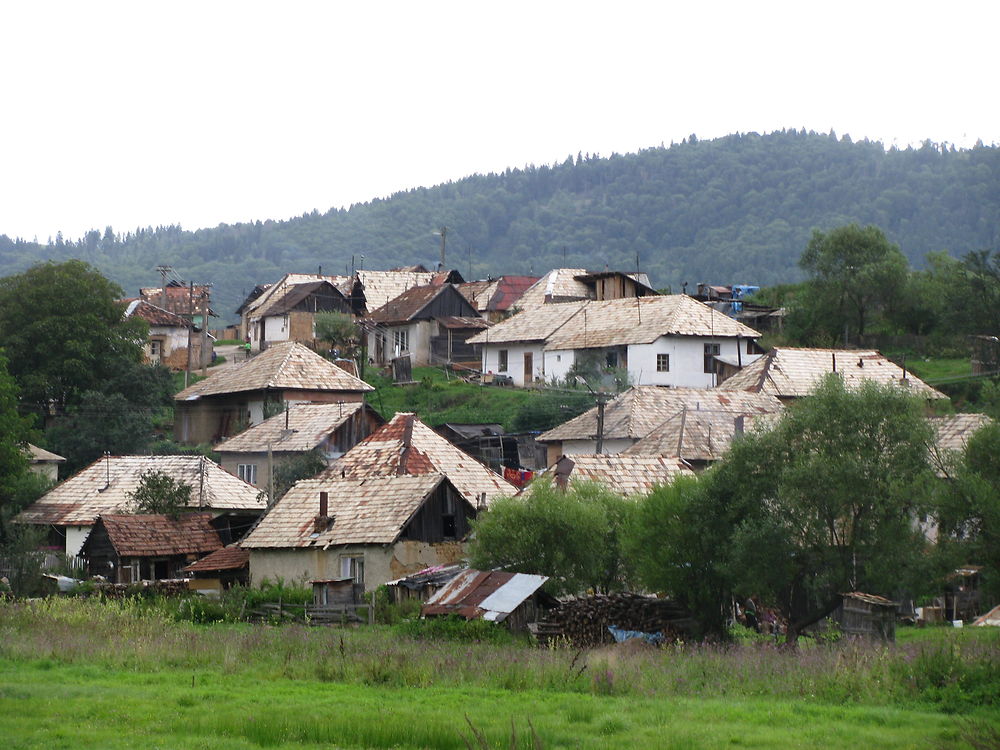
pixel 139 114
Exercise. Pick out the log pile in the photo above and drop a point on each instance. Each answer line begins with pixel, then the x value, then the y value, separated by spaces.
pixel 584 622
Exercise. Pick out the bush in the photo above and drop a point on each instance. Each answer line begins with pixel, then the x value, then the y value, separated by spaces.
pixel 453 628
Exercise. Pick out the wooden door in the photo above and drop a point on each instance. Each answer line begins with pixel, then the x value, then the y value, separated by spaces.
pixel 528 367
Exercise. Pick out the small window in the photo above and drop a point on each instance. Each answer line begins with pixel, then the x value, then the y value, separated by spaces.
pixel 247 472
pixel 354 568
pixel 711 351
pixel 502 360
pixel 663 363
pixel 401 340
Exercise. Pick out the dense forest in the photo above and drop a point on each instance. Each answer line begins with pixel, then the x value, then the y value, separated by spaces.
pixel 738 209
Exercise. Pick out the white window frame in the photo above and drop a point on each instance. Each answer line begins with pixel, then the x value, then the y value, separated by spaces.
pixel 353 567
pixel 247 472
pixel 400 340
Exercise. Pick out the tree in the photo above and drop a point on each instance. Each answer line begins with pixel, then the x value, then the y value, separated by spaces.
pixel 573 536
pixel 158 492
pixel 290 470
pixel 15 431
pixel 339 330
pixel 855 272
pixel 64 331
pixel 826 502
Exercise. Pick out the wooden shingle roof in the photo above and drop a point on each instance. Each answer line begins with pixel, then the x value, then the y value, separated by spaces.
pixel 287 365
pixel 149 535
pixel 304 427
pixel 625 474
pixel 638 411
pixel 699 435
pixel 536 324
pixel 558 285
pixel 227 558
pixel 405 445
pixel 274 294
pixel 154 315
pixel 106 486
pixel 369 510
pixel 790 372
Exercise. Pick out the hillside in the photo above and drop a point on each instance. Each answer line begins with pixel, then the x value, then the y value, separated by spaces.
pixel 734 209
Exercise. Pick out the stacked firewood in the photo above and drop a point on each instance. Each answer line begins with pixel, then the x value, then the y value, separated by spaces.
pixel 584 622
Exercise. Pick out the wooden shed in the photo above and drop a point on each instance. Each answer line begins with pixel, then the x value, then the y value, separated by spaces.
pixel 866 616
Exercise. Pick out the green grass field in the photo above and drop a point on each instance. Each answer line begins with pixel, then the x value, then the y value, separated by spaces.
pixel 81 674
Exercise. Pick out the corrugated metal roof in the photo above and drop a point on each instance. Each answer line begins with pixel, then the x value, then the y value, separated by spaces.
pixel 636 412
pixel 369 510
pixel 105 487
pixel 405 445
pixel 789 372
pixel 536 324
pixel 626 474
pixel 287 365
pixel 308 426
pixel 148 535
pixel 491 595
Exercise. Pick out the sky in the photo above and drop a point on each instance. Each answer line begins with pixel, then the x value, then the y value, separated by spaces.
pixel 135 114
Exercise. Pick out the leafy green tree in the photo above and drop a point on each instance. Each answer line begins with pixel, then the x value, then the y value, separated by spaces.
pixel 15 432
pixel 290 470
pixel 65 332
pixel 573 536
pixel 855 272
pixel 826 502
pixel 158 492
pixel 339 330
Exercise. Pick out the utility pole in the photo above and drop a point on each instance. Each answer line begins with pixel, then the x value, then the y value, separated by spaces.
pixel 164 270
pixel 204 334
pixel 443 231
pixel 602 401
pixel 187 370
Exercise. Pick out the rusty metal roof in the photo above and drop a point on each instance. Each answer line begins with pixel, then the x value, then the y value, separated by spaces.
pixel 636 412
pixel 227 558
pixel 626 474
pixel 287 365
pixel 405 445
pixel 149 535
pixel 790 372
pixel 491 595
pixel 105 487
pixel 369 510
pixel 308 425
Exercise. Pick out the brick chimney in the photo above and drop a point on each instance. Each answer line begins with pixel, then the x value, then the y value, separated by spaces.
pixel 323 520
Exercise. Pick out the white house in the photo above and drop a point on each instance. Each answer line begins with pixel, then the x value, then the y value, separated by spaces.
pixel 669 340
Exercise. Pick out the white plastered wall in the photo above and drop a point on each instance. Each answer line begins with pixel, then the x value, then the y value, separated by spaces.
pixel 515 361
pixel 687 360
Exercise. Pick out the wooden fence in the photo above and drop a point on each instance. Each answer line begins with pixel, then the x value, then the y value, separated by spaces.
pixel 313 614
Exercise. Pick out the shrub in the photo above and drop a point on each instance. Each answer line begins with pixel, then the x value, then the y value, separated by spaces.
pixel 453 628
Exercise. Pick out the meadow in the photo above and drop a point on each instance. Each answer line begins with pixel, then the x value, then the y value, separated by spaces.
pixel 80 673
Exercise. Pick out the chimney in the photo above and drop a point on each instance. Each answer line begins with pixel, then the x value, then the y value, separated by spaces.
pixel 323 521
pixel 324 500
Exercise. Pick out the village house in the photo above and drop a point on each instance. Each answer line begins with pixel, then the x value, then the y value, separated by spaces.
pixel 789 373
pixel 496 298
pixel 329 429
pixel 190 301
pixel 228 401
pixel 578 284
pixel 286 310
pixel 370 529
pixel 635 413
pixel 44 463
pixel 70 510
pixel 370 290
pixel 170 335
pixel 429 323
pixel 127 548
pixel 951 434
pixel 658 340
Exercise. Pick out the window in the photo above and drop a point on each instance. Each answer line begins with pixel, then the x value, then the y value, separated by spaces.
pixel 401 340
pixel 353 567
pixel 502 360
pixel 247 472
pixel 611 359
pixel 711 350
pixel 663 363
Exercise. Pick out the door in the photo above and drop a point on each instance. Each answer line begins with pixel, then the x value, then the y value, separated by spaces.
pixel 528 367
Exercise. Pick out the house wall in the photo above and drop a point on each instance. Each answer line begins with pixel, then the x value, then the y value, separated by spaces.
pixel 515 361
pixel 380 342
pixel 276 329
pixel 382 562
pixel 47 469
pixel 75 537
pixel 687 360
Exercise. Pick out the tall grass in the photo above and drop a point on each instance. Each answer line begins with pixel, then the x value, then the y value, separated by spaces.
pixel 953 675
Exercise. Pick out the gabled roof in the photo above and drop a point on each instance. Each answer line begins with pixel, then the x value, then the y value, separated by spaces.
pixel 491 595
pixel 106 485
pixel 642 320
pixel 227 558
pixel 295 293
pixel 639 410
pixel 308 425
pixel 382 286
pixel 625 474
pixel 274 293
pixel 788 372
pixel 287 365
pixel 698 435
pixel 149 535
pixel 155 316
pixel 411 304
pixel 536 324
pixel 953 431
pixel 405 445
pixel 42 456
pixel 368 510
pixel 499 294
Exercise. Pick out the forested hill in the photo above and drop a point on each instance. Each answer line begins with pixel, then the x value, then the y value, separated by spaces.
pixel 734 209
